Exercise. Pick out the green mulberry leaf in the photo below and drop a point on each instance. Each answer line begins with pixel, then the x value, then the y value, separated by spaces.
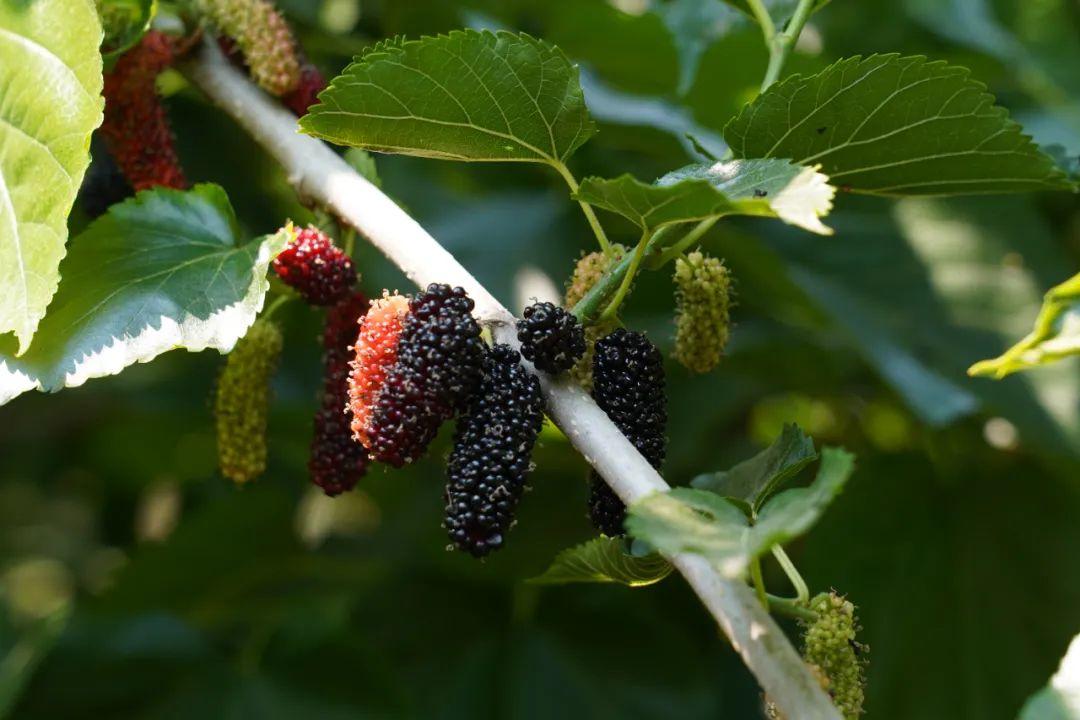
pixel 50 82
pixel 687 520
pixel 469 95
pixel 157 272
pixel 604 560
pixel 891 125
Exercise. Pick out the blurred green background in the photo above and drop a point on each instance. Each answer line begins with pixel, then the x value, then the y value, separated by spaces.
pixel 136 583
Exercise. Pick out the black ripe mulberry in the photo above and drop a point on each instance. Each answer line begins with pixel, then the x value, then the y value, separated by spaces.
pixel 337 462
pixel 552 338
pixel 416 363
pixel 316 268
pixel 628 385
pixel 492 454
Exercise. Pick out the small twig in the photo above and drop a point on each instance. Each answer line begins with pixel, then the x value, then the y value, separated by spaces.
pixel 684 243
pixel 590 214
pixel 628 279
pixel 318 172
pixel 780 44
pixel 272 308
pixel 802 592
pixel 791 608
pixel 759 582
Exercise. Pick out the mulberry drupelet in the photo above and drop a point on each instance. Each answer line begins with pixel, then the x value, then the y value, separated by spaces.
pixel 628 385
pixel 552 338
pixel 492 454
pixel 316 268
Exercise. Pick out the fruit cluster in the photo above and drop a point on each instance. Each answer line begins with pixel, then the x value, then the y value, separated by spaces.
pixel 702 322
pixel 136 129
pixel 417 362
pixel 629 386
pixel 551 338
pixel 831 649
pixel 587 272
pixel 492 454
pixel 243 396
pixel 336 462
pixel 316 268
pixel 262 36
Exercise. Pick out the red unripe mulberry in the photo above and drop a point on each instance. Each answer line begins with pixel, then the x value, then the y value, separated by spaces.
pixel 316 268
pixel 136 129
pixel 306 92
pixel 375 353
pixel 337 462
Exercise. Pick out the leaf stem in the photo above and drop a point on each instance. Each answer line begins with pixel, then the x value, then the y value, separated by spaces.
pixel 590 215
pixel 350 240
pixel 780 44
pixel 759 582
pixel 791 608
pixel 674 251
pixel 628 278
pixel 802 592
pixel 764 19
pixel 273 306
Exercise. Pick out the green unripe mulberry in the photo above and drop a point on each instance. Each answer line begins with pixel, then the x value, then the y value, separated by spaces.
pixel 264 38
pixel 829 646
pixel 703 301
pixel 243 395
pixel 588 271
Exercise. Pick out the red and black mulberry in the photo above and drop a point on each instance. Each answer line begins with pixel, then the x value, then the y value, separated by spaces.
pixel 316 268
pixel 337 462
pixel 492 454
pixel 416 363
pixel 628 385
pixel 551 338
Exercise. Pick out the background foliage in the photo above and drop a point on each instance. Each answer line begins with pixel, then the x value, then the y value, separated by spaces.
pixel 138 583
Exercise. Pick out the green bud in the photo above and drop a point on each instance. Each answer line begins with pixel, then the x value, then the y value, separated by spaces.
pixel 263 36
pixel 243 396
pixel 703 300
pixel 588 271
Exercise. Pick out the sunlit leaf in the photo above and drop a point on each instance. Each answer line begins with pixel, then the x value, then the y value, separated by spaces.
pixel 892 125
pixel 50 86
pixel 1056 335
pixel 765 188
pixel 604 560
pixel 797 195
pixel 470 95
pixel 652 206
pixel 163 270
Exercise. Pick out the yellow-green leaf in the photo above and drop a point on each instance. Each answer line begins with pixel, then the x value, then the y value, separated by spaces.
pixel 50 103
pixel 1056 334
